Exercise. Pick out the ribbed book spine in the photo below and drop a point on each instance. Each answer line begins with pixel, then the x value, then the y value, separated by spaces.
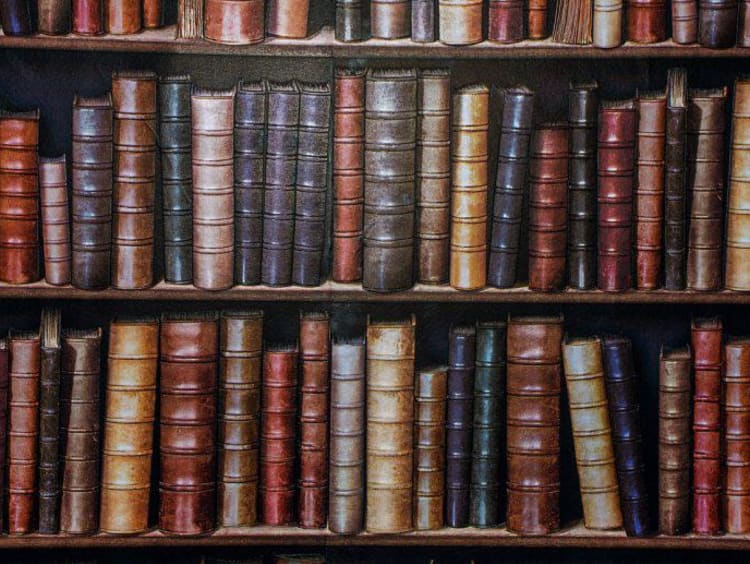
pixel 55 216
pixel 737 277
pixel 4 416
pixel 684 21
pixel 736 423
pixel 461 21
pixel 607 23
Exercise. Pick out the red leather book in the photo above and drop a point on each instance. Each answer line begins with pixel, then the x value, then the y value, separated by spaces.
pixel 646 20
pixel 152 14
pixel 505 21
pixel 88 17
pixel 736 423
pixel 4 392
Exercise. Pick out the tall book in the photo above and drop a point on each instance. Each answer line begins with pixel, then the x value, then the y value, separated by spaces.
pixel 389 19
pixel 736 424
pixel 287 18
pixel 349 21
pixel 717 23
pixel 234 23
pixel 684 21
pixel 460 21
pixel 536 19
pixel 505 23
pixel 737 277
pixel 423 17
pixel 123 17
pixel 4 416
pixel 54 17
pixel 607 23
pixel 55 216
pixel 646 20
pixel 87 17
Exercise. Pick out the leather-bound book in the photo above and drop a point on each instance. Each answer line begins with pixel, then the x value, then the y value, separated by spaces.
pixel 624 414
pixel 460 21
pixel 423 20
pixel 314 347
pixel 706 124
pixel 19 197
pixel 675 452
pixel 487 497
pixel 675 182
pixel 592 434
pixel 349 20
pixel 390 19
pixel 123 17
pixel 510 184
pixel 4 395
pixel 390 425
pixel 278 434
pixel 134 96
pixel 23 431
pixel 153 14
pixel 312 183
pixel 190 20
pixel 706 344
pixel 717 23
pixel 53 194
pixel 743 25
pixel 505 21
pixel 646 20
pixel 88 17
pixel 583 106
pixel 616 160
pixel 91 198
pixel 737 276
pixel 433 175
pixel 188 374
pixel 54 16
pixel 79 430
pixel 129 414
pixel 536 19
pixel 649 189
pixel 607 23
pixel 234 22
pixel 346 492
pixel 534 382
pixel 348 173
pixel 213 188
pixel 249 178
pixel 736 424
pixel 18 17
pixel 238 438
pixel 431 386
pixel 469 207
pixel 288 18
pixel 281 169
pixel 175 146
pixel 684 21
pixel 49 423
pixel 548 207
pixel 390 141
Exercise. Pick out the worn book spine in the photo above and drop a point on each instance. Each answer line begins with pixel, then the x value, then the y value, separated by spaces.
pixel 129 415
pixel 152 13
pixel 55 216
pixel 469 194
pixel 607 23
pixel 736 424
pixel 592 433
pixel 684 21
pixel 717 23
pixel 743 24
pixel 646 20
pixel 190 19
pixel 534 382
pixel 390 19
pixel 510 184
pixel 87 17
pixel 349 21
pixel 461 21
pixel 390 425
pixel 18 17
pixel 505 23
pixel 234 22
pixel 423 17
pixel 737 277
pixel 287 18
pixel 54 16
pixel 706 344
pixel 123 17
pixel 4 408
pixel 536 19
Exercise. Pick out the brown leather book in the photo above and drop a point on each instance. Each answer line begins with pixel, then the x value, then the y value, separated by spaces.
pixel 390 19
pixel 129 414
pixel 23 430
pixel 288 18
pixel 536 19
pixel 736 424
pixel 19 197
pixel 607 23
pixel 390 425
pixel 135 109
pixel 469 212
pixel 213 188
pixel 188 373
pixel 743 25
pixel 314 330
pixel 53 192
pixel 505 21
pixel 460 21
pixel 54 17
pixel 649 189
pixel 592 434
pixel 4 394
pixel 646 20
pixel 234 22
pixel 717 23
pixel 737 276
pixel 123 17
pixel 153 14
pixel 684 21
pixel 88 17
pixel 238 439
pixel 433 175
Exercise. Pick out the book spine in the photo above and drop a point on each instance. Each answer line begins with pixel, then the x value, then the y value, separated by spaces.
pixel 461 21
pixel 536 19
pixel 123 17
pixel 152 14
pixel 288 18
pixel 736 424
pixel 743 24
pixel 684 21
pixel 717 23
pixel 233 22
pixel 88 17
pixel 54 17
pixel 646 20
pixel 4 417
pixel 607 23
pixel 390 19
pixel 737 277
pixel 53 193
pixel 423 21
pixel 349 21
pixel 505 21
pixel 18 17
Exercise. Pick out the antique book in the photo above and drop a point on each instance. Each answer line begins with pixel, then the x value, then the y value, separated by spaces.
pixel 19 197
pixel 88 17
pixel 737 276
pixel 349 21
pixel 675 181
pixel 607 23
pixel 18 17
pixel 706 344
pixel 487 494
pixel 646 21
pixel 460 21
pixel 213 188
pixel 536 19
pixel 346 492
pixel 469 194
pixel 278 434
pixel 548 207
pixel 534 382
pixel 573 22
pixel 510 185
pixel 433 175
pixel 430 393
pixel 390 141
pixel 592 434
pixel 190 20
pixel 188 374
pixel 390 425
pixel 91 197
pixel 675 452
pixel 54 17
pixel 505 21
pixel 616 160
pixel 706 124
pixel 134 97
pixel 743 25
pixel 283 107
pixel 175 145
pixel 234 22
pixel 287 18
pixel 4 408
pixel 390 19
pixel 583 106
pixel 314 350
pixel 649 189
pixel 238 437
pixel 423 19
pixel 54 212
pixel 23 431
pixel 129 414
pixel 684 21
pixel 80 371
pixel 153 14
pixel 249 178
pixel 625 416
pixel 736 424
pixel 312 182
pixel 123 17
pixel 348 173
pixel 717 23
